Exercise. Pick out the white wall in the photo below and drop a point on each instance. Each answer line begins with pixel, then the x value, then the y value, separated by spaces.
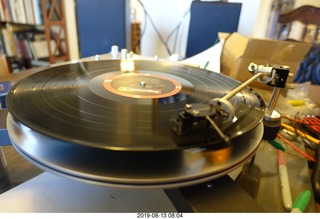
pixel 166 15
pixel 250 12
pixel 71 29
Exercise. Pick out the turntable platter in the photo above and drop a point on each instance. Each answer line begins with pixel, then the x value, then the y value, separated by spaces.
pixel 96 104
pixel 127 169
pixel 110 123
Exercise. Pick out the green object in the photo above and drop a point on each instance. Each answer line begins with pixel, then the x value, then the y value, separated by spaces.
pixel 206 65
pixel 277 145
pixel 302 201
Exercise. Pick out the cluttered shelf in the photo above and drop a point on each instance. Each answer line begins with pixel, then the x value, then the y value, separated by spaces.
pixel 19 23
pixel 29 35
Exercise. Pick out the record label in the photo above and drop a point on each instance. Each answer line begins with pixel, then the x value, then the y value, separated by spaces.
pixel 139 85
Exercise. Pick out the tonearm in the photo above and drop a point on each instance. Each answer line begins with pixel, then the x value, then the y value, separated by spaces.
pixel 197 117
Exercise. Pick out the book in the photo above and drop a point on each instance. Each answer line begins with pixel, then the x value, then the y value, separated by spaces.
pixel 37 15
pixel 2 17
pixel 12 10
pixel 2 49
pixel 21 12
pixel 5 6
pixel 41 48
pixel 4 87
pixel 4 138
pixel 8 41
pixel 29 11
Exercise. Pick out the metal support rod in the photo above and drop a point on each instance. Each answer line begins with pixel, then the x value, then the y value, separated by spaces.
pixel 273 100
pixel 242 86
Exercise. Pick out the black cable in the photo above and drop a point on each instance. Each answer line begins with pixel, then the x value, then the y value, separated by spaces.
pixel 177 29
pixel 303 129
pixel 145 24
pixel 155 28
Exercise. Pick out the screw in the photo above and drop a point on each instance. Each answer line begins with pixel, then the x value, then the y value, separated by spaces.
pixel 188 106
pixel 209 185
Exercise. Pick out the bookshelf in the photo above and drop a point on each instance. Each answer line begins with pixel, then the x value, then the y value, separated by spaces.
pixel 55 30
pixel 33 32
pixel 135 37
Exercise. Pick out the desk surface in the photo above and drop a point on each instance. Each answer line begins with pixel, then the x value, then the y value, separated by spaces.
pixel 269 193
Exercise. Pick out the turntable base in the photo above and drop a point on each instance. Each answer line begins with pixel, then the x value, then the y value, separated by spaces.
pixel 167 169
pixel 49 193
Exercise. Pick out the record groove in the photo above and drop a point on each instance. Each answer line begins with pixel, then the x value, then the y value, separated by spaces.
pixel 70 103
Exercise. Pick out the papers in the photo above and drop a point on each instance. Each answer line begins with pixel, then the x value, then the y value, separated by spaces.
pixel 208 59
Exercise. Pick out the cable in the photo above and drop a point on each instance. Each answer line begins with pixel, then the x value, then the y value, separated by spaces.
pixel 304 128
pixel 296 148
pixel 181 42
pixel 155 28
pixel 300 133
pixel 144 23
pixel 177 29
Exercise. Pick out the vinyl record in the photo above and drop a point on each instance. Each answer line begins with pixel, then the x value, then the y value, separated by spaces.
pixel 125 104
pixel 111 123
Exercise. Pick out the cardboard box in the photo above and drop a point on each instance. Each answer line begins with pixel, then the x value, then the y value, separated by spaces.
pixel 239 51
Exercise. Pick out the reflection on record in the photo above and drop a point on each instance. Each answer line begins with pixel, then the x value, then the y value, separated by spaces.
pixel 109 105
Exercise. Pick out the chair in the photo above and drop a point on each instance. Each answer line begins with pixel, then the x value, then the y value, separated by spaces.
pixel 308 29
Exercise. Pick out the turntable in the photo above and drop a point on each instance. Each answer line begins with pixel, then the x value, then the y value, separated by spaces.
pixel 136 123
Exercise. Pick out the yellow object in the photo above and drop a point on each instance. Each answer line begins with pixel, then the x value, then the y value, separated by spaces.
pixel 301 133
pixel 296 102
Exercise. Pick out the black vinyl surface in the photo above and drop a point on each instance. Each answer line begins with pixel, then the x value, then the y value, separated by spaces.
pixel 110 123
pixel 70 103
